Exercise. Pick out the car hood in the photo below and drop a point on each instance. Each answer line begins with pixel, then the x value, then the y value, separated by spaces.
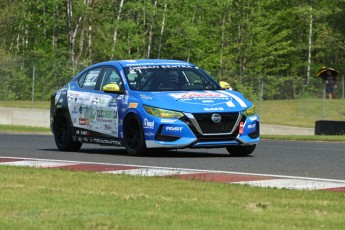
pixel 196 101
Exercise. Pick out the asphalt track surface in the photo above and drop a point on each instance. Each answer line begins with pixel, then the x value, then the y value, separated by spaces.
pixel 289 158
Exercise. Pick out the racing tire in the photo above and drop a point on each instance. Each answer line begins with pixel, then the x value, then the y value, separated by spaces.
pixel 133 137
pixel 63 134
pixel 240 150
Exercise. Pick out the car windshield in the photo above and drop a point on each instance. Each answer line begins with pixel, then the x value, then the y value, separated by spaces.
pixel 163 78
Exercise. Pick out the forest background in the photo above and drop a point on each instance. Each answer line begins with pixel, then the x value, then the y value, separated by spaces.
pixel 275 44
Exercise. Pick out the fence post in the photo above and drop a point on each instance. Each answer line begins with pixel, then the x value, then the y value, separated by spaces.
pixel 342 83
pixel 261 85
pixel 33 86
pixel 324 100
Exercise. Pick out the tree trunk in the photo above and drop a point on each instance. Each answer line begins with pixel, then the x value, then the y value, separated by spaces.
pixel 151 31
pixel 162 31
pixel 116 27
pixel 70 33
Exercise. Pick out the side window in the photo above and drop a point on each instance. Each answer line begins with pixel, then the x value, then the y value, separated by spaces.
pixel 89 79
pixel 111 76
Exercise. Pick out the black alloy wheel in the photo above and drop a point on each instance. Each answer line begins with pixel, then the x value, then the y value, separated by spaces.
pixel 134 140
pixel 63 134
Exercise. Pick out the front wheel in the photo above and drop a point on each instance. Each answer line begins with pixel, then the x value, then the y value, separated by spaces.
pixel 63 134
pixel 133 138
pixel 240 150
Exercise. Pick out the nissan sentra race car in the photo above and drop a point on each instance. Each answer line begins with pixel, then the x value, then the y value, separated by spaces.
pixel 152 104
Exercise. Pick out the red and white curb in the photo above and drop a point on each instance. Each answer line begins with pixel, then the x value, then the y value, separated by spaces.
pixel 258 180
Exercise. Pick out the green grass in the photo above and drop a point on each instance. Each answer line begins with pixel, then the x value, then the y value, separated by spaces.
pixel 305 138
pixel 25 104
pixel 58 199
pixel 18 128
pixel 301 112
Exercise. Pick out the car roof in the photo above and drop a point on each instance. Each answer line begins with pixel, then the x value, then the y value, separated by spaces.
pixel 145 62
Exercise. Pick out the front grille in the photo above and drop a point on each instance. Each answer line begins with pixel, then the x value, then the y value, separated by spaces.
pixel 226 124
pixel 167 138
pixel 211 138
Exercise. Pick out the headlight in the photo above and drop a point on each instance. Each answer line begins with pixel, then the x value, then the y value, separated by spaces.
pixel 162 112
pixel 250 111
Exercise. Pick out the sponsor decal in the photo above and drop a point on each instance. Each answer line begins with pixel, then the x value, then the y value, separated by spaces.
pixel 107 127
pixel 168 120
pixel 106 141
pixel 82 132
pixel 173 129
pixel 145 97
pixel 147 65
pixel 125 99
pixel 106 114
pixel 252 126
pixel 75 110
pixel 214 109
pixel 84 99
pixel 102 101
pixel 132 105
pixel 84 121
pixel 207 101
pixel 255 118
pixel 208 98
pixel 113 103
pixel 148 124
pixel 197 95
pixel 149 134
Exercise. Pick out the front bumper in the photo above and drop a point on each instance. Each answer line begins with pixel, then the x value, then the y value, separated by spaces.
pixel 198 131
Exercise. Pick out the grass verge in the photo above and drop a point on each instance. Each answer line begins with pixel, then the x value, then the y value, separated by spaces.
pixel 304 138
pixel 23 129
pixel 59 199
pixel 297 112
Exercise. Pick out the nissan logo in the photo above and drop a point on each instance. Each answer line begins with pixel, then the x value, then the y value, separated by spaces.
pixel 216 118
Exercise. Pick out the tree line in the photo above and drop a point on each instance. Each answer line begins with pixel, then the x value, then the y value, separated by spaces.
pixel 245 42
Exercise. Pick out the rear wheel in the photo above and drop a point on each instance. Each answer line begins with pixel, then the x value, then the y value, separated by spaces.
pixel 134 140
pixel 63 134
pixel 240 150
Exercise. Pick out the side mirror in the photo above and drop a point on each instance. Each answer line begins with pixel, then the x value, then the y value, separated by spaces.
pixel 112 88
pixel 225 85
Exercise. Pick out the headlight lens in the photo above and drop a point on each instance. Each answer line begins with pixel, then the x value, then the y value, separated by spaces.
pixel 162 112
pixel 250 111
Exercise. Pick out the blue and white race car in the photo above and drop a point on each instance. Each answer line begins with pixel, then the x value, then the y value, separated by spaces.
pixel 147 104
